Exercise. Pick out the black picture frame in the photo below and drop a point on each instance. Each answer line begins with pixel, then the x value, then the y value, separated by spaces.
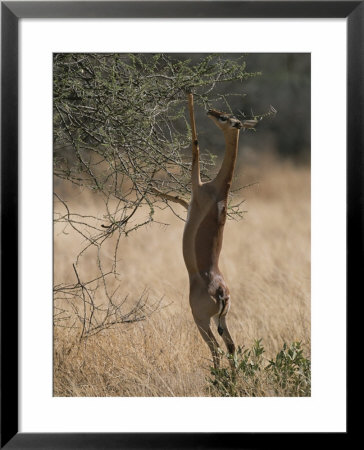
pixel 11 12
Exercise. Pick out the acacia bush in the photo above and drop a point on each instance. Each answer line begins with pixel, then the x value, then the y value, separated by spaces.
pixel 120 123
pixel 121 130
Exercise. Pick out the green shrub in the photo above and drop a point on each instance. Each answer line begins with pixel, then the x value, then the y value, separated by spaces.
pixel 247 375
pixel 291 371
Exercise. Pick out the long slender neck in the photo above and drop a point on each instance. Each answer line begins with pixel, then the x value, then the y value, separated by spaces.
pixel 226 171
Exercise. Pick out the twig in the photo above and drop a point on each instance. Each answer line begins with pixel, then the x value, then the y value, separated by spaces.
pixel 172 198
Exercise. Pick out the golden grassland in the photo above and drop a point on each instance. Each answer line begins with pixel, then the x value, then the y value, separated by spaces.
pixel 265 260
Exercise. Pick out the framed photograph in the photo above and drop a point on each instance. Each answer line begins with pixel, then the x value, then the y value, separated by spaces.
pixel 131 133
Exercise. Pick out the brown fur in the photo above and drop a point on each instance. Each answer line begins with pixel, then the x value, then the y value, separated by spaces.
pixel 203 236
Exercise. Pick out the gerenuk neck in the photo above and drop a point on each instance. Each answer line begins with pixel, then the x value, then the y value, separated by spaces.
pixel 225 174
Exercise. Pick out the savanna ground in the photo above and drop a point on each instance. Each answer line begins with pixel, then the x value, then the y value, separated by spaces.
pixel 265 260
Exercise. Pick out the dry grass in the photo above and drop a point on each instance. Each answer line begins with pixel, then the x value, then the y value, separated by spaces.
pixel 266 262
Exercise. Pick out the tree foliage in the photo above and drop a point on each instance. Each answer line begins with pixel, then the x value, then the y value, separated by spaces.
pixel 120 122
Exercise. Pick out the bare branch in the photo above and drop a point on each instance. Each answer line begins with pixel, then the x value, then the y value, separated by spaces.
pixel 171 198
